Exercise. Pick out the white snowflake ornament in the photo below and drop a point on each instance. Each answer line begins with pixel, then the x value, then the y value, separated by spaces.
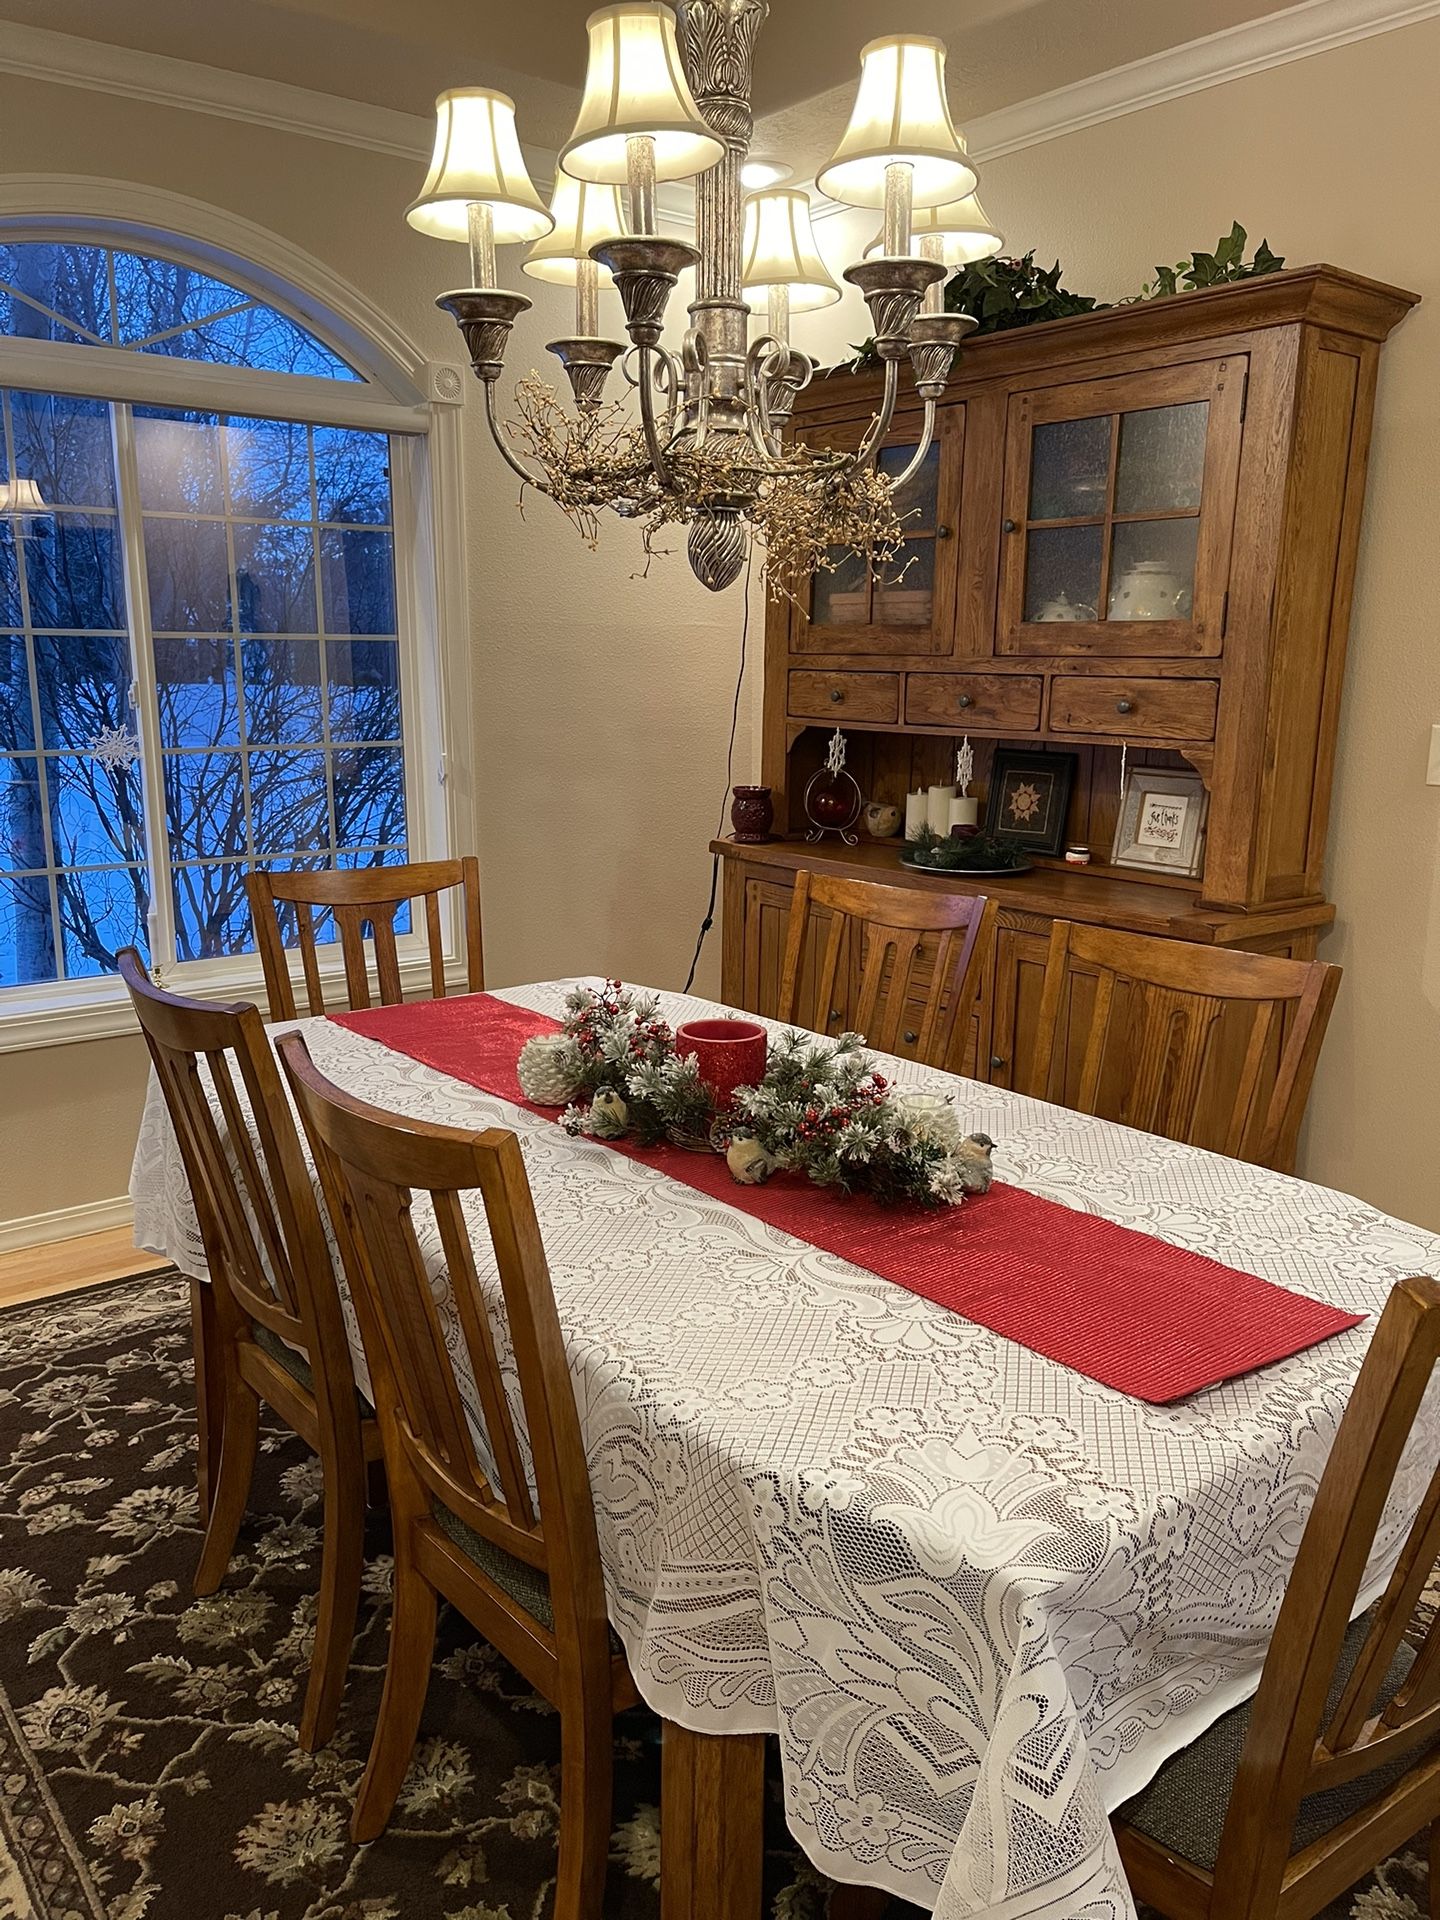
pixel 115 747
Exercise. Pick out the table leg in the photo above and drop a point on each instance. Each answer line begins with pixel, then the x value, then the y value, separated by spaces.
pixel 712 1841
pixel 209 1389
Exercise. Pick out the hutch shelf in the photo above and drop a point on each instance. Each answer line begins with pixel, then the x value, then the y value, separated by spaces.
pixel 1135 529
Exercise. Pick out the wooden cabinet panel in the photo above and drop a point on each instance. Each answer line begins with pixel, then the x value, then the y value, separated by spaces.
pixel 1007 702
pixel 1134 709
pixel 1020 953
pixel 844 696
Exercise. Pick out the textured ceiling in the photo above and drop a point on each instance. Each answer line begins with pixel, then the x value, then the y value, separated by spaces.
pixel 400 53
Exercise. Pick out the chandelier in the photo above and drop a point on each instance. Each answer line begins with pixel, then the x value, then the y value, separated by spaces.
pixel 699 438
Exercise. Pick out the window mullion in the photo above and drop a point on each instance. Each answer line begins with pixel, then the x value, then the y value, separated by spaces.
pixel 144 696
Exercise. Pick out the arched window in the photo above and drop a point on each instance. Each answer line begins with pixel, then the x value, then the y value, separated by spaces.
pixel 208 646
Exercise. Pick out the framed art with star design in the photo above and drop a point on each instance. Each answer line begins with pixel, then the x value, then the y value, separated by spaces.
pixel 1030 798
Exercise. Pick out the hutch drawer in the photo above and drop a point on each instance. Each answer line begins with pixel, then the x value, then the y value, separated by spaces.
pixel 844 696
pixel 1132 708
pixel 1009 702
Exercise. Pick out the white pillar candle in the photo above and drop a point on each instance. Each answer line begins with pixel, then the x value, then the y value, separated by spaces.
pixel 964 812
pixel 916 814
pixel 937 811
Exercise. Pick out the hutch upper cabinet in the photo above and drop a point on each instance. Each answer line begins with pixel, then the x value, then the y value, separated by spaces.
pixel 1135 529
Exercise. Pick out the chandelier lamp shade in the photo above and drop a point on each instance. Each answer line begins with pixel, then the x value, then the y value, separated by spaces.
pixel 667 97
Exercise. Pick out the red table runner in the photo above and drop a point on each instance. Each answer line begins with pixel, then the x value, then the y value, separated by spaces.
pixel 1153 1320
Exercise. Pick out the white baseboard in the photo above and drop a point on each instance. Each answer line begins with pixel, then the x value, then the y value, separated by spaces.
pixel 65 1223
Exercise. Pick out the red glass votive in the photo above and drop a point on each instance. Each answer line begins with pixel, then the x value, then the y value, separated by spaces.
pixel 728 1053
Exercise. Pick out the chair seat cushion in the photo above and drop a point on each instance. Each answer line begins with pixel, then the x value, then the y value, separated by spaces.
pixel 1184 1806
pixel 298 1366
pixel 527 1586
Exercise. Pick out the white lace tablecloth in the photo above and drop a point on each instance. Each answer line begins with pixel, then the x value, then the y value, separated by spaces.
pixel 978 1597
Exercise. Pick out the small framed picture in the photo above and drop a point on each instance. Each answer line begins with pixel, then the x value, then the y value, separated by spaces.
pixel 1162 822
pixel 1030 798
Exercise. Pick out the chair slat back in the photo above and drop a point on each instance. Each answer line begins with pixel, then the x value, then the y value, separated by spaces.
pixel 254 1200
pixel 1294 1748
pixel 913 957
pixel 1179 1037
pixel 372 1165
pixel 363 904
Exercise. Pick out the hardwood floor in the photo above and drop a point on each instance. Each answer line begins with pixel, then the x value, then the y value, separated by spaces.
pixel 33 1273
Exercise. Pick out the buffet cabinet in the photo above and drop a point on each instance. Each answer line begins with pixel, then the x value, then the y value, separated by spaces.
pixel 1133 540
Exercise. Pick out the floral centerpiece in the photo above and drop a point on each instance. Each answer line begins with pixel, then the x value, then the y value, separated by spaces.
pixel 821 1109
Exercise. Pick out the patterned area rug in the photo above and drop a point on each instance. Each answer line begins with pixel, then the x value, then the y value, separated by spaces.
pixel 148 1765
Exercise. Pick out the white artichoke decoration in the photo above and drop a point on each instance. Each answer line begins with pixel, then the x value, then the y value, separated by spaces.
pixel 549 1070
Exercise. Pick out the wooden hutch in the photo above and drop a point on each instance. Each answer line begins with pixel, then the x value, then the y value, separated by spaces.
pixel 1223 433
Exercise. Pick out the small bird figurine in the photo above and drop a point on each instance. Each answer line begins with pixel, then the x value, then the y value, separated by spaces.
pixel 972 1156
pixel 609 1116
pixel 749 1162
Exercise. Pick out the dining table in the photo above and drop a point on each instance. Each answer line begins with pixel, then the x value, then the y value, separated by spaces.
pixel 976 1597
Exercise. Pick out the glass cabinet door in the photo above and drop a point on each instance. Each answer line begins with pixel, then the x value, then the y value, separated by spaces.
pixel 905 604
pixel 1119 503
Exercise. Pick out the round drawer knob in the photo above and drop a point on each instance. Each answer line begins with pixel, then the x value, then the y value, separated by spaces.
pixel 834 1015
pixel 1009 525
pixel 837 694
pixel 911 1036
pixel 1124 706
pixel 997 1060
pixel 966 700
pixel 944 533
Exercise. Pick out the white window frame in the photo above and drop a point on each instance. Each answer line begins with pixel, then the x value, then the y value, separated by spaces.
pixel 401 394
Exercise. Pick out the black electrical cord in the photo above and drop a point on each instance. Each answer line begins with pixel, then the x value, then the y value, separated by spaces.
pixel 708 922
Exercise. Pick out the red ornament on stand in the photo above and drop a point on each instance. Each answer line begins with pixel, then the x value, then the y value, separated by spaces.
pixel 833 801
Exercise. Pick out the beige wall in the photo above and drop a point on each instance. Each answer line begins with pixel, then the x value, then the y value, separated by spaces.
pixel 602 701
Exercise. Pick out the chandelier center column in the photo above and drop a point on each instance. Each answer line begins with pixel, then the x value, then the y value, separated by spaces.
pixel 717 45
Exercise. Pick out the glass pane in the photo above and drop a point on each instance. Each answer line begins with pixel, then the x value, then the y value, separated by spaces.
pixel 369 796
pixel 99 914
pixel 1162 458
pixel 918 503
pixel 204 805
pixel 198 697
pixel 1069 468
pixel 1152 569
pixel 905 591
pixel 282 690
pixel 364 689
pixel 358 572
pixel 64 445
pixel 842 596
pixel 179 460
pixel 72 568
pixel 212 911
pixel 255 337
pixel 187 566
pixel 68 281
pixel 153 296
pixel 10 610
pixel 1062 573
pixel 275 579
pixel 288 807
pixel 96 810
pixel 82 682
pixel 269 465
pixel 17 718
pixel 23 841
pixel 352 475
pixel 27 936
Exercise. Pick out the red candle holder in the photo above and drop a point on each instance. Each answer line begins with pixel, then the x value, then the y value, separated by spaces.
pixel 727 1053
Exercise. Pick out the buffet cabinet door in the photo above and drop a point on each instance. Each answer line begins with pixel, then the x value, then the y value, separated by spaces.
pixel 1119 508
pixel 905 605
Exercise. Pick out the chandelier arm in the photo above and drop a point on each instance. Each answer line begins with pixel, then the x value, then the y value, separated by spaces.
pixel 765 361
pixel 880 425
pixel 511 459
pixel 927 435
pixel 647 415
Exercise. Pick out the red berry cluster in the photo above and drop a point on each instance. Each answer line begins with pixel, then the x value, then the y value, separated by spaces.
pixel 818 1122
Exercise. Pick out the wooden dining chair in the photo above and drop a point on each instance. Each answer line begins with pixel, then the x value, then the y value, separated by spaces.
pixel 518 1557
pixel 1335 1763
pixel 913 958
pixel 1182 1040
pixel 358 899
pixel 275 1331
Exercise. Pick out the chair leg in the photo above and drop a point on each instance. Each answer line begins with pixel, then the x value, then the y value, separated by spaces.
pixel 341 1566
pixel 407 1675
pixel 587 1780
pixel 232 1485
